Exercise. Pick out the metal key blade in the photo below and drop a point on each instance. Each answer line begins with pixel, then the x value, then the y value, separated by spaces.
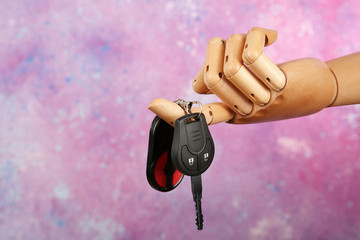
pixel 196 188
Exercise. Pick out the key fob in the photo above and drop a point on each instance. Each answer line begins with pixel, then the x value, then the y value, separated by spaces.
pixel 192 148
pixel 160 170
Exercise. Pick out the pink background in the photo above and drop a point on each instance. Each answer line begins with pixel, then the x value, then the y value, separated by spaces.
pixel 75 81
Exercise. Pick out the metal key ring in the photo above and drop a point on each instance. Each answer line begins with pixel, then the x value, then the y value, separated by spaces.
pixel 187 105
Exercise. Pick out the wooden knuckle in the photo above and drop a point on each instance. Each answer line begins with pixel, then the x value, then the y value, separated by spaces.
pixel 211 79
pixel 237 37
pixel 231 68
pixel 216 40
pixel 261 99
pixel 200 87
pixel 250 56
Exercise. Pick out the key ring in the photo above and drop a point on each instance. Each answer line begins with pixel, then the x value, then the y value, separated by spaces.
pixel 187 105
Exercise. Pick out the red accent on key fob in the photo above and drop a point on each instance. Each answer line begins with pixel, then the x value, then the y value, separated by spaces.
pixel 177 177
pixel 159 169
pixel 160 176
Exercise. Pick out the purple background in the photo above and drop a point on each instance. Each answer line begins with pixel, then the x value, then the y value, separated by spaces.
pixel 75 81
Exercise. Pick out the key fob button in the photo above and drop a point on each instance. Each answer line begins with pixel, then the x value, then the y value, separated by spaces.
pixel 190 160
pixel 206 156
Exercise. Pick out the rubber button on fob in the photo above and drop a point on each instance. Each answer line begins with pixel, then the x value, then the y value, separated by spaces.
pixel 190 160
pixel 204 156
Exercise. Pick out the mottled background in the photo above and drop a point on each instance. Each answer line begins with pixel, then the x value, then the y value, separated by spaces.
pixel 76 77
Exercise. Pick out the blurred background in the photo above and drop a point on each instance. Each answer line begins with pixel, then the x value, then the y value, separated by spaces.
pixel 75 81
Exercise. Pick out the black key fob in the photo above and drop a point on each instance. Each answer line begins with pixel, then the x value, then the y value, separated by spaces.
pixel 160 170
pixel 192 148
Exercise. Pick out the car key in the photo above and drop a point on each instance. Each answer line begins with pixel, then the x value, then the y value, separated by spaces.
pixel 192 148
pixel 192 153
pixel 160 171
pixel 186 149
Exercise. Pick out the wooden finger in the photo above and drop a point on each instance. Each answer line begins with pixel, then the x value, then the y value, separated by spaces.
pixel 259 63
pixel 166 110
pixel 170 111
pixel 239 75
pixel 216 112
pixel 217 82
pixel 198 83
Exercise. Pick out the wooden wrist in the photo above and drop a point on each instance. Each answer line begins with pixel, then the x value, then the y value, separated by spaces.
pixel 346 70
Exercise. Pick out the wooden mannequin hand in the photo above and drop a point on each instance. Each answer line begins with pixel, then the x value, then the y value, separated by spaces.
pixel 252 88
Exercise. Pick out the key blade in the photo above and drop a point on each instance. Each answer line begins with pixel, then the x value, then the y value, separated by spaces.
pixel 196 188
pixel 199 216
